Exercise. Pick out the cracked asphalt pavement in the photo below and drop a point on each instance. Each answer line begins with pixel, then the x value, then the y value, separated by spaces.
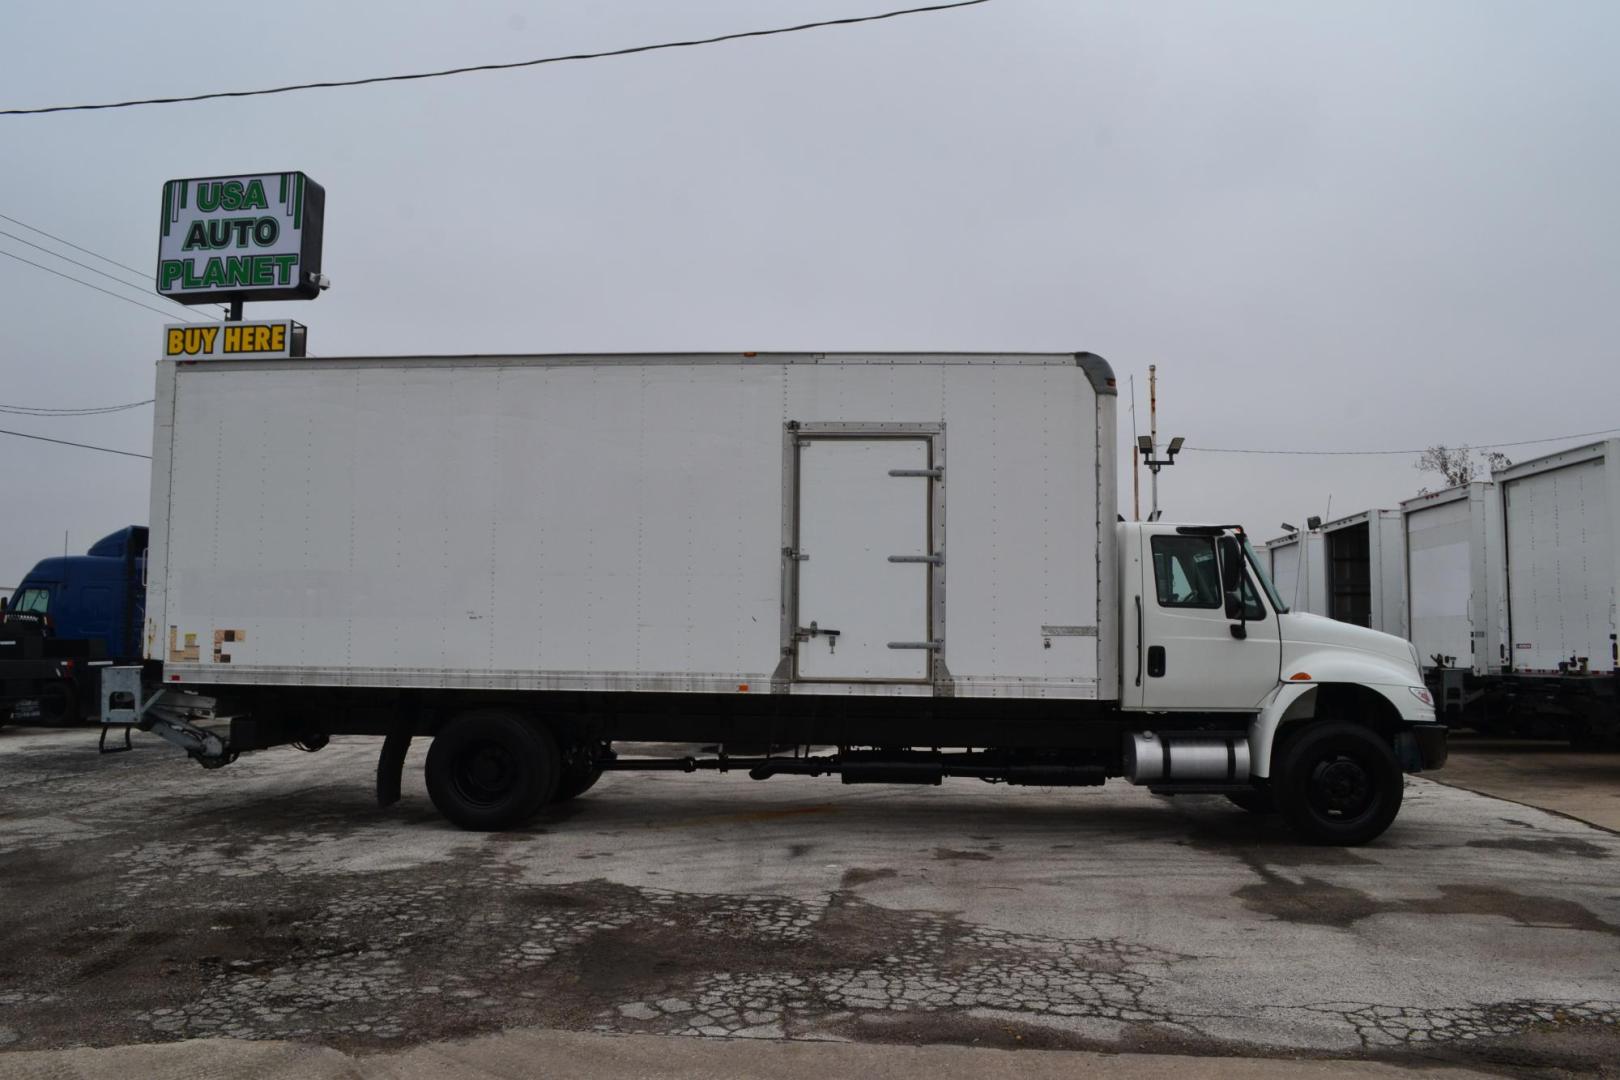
pixel 146 901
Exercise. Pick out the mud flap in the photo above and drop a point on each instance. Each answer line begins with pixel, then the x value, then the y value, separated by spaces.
pixel 391 766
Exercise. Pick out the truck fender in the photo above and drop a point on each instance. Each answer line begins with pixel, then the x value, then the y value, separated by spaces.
pixel 1295 701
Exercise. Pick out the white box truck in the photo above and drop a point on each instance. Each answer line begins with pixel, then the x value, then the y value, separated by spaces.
pixel 1366 570
pixel 1299 570
pixel 910 561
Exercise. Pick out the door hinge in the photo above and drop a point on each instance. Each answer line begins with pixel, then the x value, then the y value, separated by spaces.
pixel 932 646
pixel 795 555
pixel 932 560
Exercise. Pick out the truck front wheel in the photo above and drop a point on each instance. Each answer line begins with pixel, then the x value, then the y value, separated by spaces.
pixel 489 769
pixel 1338 783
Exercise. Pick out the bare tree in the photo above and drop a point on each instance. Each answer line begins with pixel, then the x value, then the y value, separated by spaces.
pixel 1459 464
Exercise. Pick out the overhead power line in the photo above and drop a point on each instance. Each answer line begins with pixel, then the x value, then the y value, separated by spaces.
pixel 1403 453
pixel 80 445
pixel 75 262
pixel 145 277
pixel 86 284
pixel 100 410
pixel 849 21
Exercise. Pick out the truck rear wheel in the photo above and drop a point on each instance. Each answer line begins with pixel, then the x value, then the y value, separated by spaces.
pixel 490 769
pixel 579 770
pixel 1338 783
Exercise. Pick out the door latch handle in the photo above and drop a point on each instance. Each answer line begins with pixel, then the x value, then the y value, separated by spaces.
pixel 1155 661
pixel 805 633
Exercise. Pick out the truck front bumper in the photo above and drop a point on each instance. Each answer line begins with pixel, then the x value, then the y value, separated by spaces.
pixel 1422 746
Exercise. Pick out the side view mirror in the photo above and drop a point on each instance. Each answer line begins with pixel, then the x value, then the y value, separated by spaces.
pixel 1231 584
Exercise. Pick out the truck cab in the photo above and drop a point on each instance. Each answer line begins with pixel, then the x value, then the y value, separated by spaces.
pixel 1206 635
pixel 71 615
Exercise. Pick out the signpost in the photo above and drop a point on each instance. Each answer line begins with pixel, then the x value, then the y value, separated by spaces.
pixel 236 238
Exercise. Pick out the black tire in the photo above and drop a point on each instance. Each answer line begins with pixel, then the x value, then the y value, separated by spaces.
pixel 572 787
pixel 489 769
pixel 59 704
pixel 1338 783
pixel 579 772
pixel 1258 801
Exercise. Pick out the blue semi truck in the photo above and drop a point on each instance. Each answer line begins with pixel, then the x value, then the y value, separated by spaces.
pixel 72 616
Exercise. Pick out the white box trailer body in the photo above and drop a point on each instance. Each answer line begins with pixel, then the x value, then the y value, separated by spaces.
pixel 1299 571
pixel 1366 570
pixel 1561 523
pixel 770 524
pixel 913 559
pixel 1454 577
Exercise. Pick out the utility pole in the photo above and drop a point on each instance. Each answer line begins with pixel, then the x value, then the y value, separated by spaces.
pixel 1148 445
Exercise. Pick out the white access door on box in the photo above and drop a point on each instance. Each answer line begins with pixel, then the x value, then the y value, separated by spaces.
pixel 854 602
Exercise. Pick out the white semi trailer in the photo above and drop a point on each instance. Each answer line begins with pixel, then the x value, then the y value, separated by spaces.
pixel 1455 583
pixel 913 561
pixel 1513 589
pixel 1365 555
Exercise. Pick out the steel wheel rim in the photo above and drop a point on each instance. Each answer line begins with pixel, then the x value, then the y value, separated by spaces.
pixel 1341 788
pixel 484 773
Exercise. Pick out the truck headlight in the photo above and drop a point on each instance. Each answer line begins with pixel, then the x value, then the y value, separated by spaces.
pixel 1422 694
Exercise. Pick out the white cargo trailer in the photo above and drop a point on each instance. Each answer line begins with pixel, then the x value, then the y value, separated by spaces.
pixel 1299 570
pixel 1455 592
pixel 1512 595
pixel 1561 518
pixel 1366 570
pixel 529 558
pixel 1561 539
pixel 1454 577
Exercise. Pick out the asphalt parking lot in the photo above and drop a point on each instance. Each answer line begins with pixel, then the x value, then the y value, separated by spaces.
pixel 149 901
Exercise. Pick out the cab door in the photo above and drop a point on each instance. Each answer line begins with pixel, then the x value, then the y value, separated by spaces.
pixel 1189 654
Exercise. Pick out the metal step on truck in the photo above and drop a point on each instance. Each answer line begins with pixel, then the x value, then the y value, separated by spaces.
pixel 887 567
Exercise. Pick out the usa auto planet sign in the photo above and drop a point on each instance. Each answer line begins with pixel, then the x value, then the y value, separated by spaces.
pixel 254 237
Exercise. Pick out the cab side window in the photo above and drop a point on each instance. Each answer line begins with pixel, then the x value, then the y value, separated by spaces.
pixel 1185 572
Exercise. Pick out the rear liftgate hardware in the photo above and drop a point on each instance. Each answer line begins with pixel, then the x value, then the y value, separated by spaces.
pixel 122 706
pixel 1188 762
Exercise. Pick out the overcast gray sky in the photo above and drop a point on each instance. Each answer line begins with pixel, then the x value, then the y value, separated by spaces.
pixel 1345 225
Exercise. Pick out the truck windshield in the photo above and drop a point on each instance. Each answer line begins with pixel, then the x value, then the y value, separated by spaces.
pixel 30 602
pixel 1263 577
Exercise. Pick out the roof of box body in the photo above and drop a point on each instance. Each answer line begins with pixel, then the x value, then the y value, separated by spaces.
pixel 1098 371
pixel 1444 495
pixel 1573 456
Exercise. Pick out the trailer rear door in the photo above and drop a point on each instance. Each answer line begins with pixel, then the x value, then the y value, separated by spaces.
pixel 863 574
pixel 1561 589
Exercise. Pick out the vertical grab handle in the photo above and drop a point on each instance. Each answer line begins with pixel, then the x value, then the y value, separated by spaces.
pixel 1139 640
